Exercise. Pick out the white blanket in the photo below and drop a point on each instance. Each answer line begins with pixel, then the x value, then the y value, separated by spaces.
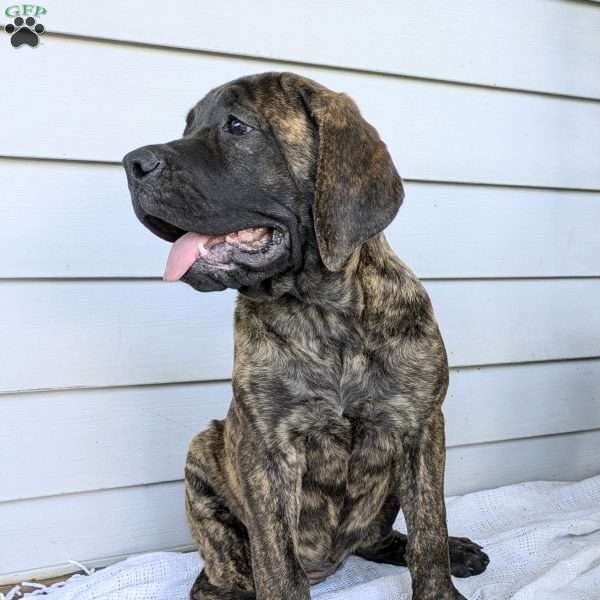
pixel 543 540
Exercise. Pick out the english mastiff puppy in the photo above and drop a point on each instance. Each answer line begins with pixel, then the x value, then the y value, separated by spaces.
pixel 281 190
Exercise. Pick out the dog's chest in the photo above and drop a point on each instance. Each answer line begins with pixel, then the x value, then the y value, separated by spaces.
pixel 345 406
pixel 349 465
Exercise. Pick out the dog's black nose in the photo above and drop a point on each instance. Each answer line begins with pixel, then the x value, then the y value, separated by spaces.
pixel 141 163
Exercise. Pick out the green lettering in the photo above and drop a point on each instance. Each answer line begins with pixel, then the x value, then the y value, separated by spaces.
pixel 12 11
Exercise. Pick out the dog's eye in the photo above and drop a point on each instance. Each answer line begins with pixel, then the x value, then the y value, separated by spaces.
pixel 236 127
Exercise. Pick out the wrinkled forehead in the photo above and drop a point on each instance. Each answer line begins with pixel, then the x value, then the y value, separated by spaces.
pixel 267 102
pixel 262 100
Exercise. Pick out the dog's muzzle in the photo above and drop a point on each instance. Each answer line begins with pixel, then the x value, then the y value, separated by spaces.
pixel 236 249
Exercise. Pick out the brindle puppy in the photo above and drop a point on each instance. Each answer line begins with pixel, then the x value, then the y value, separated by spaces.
pixel 280 189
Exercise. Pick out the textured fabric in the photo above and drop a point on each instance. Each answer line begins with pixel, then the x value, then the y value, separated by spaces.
pixel 543 539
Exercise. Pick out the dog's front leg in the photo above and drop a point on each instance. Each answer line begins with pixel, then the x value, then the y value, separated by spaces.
pixel 271 486
pixel 422 496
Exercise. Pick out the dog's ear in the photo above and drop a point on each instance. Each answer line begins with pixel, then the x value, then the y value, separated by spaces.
pixel 357 190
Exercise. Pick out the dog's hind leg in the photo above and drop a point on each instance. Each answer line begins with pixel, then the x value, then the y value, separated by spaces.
pixel 243 518
pixel 466 557
pixel 383 544
pixel 222 538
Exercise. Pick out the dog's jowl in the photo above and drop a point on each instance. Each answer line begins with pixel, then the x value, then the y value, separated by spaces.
pixel 280 189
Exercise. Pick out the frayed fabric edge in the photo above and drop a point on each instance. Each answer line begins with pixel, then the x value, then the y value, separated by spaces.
pixel 39 589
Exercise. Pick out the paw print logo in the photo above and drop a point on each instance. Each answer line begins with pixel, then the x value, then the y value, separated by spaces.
pixel 24 32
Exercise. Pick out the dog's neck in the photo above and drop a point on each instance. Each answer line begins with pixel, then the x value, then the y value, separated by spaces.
pixel 343 291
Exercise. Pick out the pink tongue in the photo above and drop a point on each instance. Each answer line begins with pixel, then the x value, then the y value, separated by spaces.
pixel 183 253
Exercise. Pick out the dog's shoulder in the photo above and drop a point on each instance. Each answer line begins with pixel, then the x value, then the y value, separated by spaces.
pixel 390 289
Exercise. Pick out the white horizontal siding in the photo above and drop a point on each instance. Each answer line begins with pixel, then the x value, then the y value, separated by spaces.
pixel 499 321
pixel 88 230
pixel 569 456
pixel 45 533
pixel 434 131
pixel 112 333
pixel 139 435
pixel 491 114
pixel 538 45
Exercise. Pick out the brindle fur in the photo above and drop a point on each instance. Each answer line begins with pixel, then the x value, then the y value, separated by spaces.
pixel 339 376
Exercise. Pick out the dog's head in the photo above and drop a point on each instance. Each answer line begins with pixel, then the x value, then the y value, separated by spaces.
pixel 272 169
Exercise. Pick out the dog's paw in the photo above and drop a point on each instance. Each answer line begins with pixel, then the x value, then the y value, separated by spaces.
pixel 24 32
pixel 466 557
